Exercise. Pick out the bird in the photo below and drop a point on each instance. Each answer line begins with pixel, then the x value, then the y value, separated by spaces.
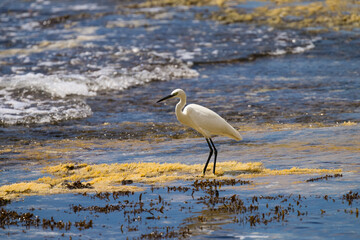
pixel 207 122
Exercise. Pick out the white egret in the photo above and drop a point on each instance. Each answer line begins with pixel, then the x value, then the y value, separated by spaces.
pixel 203 120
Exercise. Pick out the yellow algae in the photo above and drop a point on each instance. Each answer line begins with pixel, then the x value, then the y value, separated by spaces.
pixel 112 177
pixel 156 3
pixel 316 15
pixel 292 171
pixel 37 188
pixel 66 149
pixel 319 147
pixel 65 168
pixel 50 45
pixel 297 171
pixel 26 188
pixel 349 123
pixel 50 181
pixel 6 150
pixel 329 15
pixel 276 127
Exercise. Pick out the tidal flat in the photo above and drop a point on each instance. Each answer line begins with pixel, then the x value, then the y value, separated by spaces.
pixel 86 153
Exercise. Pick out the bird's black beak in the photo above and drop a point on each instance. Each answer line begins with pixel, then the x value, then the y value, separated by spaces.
pixel 167 97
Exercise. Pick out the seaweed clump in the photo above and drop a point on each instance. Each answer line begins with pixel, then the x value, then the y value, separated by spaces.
pixel 351 196
pixel 77 185
pixel 3 201
pixel 326 177
pixel 28 219
pixel 218 183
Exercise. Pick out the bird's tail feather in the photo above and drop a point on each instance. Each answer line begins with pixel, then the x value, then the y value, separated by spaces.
pixel 234 134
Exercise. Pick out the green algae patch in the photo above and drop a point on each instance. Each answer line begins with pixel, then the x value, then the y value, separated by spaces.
pixel 86 178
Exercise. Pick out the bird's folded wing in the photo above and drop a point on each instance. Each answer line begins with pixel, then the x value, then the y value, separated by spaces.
pixel 209 123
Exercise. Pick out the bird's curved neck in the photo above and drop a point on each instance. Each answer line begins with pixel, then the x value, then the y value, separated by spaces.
pixel 180 105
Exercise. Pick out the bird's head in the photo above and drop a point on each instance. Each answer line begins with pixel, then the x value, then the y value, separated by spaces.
pixel 176 93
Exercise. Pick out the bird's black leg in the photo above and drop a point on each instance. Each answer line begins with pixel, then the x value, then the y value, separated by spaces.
pixel 215 153
pixel 210 154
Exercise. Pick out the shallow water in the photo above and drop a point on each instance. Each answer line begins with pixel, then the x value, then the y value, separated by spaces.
pixel 79 82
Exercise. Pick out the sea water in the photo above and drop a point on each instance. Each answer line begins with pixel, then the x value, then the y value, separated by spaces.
pixel 79 81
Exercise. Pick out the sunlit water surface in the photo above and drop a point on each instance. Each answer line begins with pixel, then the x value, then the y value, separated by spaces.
pixel 79 81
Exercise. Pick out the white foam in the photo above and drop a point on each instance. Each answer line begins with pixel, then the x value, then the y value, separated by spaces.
pixel 294 50
pixel 303 49
pixel 50 63
pixel 107 78
pixel 39 98
pixel 111 79
pixel 20 102
pixel 71 7
pixel 24 111
pixel 54 85
pixel 185 55
pixel 30 25
pixel 278 52
pixel 251 236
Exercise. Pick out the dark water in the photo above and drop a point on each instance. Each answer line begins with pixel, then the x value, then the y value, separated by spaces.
pixel 93 70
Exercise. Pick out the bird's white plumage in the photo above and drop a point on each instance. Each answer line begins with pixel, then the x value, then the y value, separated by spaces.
pixel 209 123
pixel 202 119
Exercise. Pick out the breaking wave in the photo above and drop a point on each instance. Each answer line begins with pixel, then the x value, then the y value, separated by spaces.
pixel 41 98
